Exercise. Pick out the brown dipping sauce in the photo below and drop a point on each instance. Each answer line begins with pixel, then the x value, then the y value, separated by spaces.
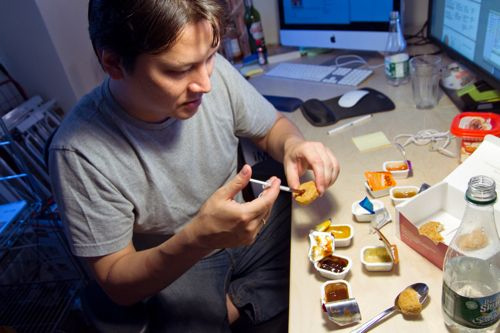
pixel 333 263
pixel 336 292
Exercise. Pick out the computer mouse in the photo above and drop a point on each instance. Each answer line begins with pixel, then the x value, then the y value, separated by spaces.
pixel 351 98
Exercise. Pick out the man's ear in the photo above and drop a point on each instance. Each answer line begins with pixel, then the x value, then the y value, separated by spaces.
pixel 111 63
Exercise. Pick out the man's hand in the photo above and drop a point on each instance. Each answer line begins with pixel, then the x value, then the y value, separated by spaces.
pixel 285 143
pixel 301 156
pixel 223 222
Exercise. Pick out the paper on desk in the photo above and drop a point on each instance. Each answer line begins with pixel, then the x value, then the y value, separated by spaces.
pixel 371 141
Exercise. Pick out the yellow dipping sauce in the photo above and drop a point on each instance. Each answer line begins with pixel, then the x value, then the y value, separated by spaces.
pixel 376 255
pixel 339 231
pixel 404 194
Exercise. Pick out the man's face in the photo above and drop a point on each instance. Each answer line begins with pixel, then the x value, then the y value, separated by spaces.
pixel 172 83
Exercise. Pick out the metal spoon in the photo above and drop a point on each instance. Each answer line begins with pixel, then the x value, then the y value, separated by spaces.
pixel 421 288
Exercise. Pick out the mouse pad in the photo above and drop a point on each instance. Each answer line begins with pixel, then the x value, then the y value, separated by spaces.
pixel 324 113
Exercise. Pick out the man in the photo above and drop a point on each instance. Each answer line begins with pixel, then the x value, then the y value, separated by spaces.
pixel 144 170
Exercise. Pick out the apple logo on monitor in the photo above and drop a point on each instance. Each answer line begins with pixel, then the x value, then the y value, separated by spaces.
pixel 332 39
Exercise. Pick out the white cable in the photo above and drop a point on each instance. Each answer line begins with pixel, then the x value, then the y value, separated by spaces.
pixel 438 140
pixel 357 60
pixel 376 66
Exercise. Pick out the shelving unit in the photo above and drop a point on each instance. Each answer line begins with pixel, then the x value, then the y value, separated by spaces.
pixel 39 277
pixel 39 280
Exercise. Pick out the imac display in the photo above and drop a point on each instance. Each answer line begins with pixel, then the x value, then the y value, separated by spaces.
pixel 339 24
pixel 469 31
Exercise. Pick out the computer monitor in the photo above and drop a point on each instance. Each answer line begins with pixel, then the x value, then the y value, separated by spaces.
pixel 338 24
pixel 469 31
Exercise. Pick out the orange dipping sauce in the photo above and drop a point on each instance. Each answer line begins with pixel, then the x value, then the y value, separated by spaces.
pixel 397 167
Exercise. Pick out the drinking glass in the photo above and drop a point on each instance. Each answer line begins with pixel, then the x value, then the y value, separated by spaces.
pixel 425 72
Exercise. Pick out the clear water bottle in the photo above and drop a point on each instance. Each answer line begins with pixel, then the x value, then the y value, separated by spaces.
pixel 396 60
pixel 471 268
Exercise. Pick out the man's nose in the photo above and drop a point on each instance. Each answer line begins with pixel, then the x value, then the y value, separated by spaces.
pixel 201 80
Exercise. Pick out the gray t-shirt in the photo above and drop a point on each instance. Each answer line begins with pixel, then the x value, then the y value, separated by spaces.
pixel 114 176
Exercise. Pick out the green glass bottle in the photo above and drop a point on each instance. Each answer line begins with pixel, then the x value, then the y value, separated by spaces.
pixel 254 28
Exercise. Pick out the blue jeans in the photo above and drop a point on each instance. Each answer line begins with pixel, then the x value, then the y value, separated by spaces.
pixel 255 277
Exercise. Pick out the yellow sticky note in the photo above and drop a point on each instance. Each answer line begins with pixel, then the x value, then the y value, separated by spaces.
pixel 251 70
pixel 371 141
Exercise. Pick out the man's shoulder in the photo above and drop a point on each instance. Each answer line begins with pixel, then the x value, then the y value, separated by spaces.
pixel 81 121
pixel 223 68
pixel 226 79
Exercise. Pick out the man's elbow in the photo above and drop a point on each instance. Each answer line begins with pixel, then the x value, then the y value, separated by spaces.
pixel 120 296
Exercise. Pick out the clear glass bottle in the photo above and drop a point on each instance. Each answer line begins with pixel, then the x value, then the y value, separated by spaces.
pixel 396 62
pixel 471 268
pixel 254 28
pixel 231 42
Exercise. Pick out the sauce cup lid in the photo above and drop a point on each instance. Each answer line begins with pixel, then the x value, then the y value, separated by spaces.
pixel 321 244
pixel 392 249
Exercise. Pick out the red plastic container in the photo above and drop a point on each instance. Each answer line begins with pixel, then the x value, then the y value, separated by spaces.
pixel 470 128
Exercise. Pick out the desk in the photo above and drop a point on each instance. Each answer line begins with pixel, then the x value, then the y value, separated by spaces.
pixel 374 291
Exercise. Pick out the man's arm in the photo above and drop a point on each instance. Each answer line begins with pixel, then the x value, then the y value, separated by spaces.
pixel 284 142
pixel 129 276
pixel 274 141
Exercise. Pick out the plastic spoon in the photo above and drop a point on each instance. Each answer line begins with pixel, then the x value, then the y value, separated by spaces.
pixel 282 188
pixel 403 153
pixel 421 288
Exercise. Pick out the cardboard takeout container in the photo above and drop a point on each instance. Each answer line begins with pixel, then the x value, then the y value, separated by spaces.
pixel 445 202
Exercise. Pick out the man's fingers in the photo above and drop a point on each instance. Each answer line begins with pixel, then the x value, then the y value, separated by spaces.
pixel 269 194
pixel 335 167
pixel 261 206
pixel 292 175
pixel 239 182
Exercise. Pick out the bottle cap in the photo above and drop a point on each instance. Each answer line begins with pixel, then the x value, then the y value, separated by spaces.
pixel 481 190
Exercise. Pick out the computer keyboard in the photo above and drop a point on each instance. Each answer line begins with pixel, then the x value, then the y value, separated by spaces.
pixel 319 73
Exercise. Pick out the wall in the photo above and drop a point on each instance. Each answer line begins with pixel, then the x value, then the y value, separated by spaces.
pixel 66 22
pixel 44 45
pixel 270 19
pixel 415 15
pixel 28 52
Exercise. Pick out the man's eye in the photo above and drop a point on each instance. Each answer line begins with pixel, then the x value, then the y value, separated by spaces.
pixel 178 72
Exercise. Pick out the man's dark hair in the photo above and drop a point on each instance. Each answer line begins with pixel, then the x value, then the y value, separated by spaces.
pixel 129 28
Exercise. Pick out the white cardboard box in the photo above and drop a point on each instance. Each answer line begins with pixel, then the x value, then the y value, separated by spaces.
pixel 445 202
